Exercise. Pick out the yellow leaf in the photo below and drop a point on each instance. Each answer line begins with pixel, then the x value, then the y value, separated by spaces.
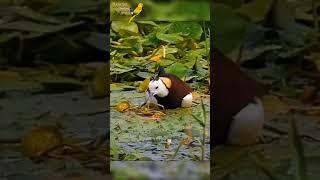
pixel 123 106
pixel 275 105
pixel 144 85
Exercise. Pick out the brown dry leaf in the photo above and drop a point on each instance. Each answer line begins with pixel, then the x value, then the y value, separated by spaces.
pixel 308 94
pixel 188 129
pixel 186 141
pixel 145 111
pixel 157 116
pixel 123 106
pixel 273 104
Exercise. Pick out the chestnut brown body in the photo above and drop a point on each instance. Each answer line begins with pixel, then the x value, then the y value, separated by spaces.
pixel 232 90
pixel 177 92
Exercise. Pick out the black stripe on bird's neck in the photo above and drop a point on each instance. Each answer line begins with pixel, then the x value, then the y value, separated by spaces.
pixel 164 83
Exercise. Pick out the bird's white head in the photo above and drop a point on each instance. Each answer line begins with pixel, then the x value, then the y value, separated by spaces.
pixel 157 87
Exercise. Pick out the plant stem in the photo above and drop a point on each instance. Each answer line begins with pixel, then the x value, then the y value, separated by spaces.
pixel 315 16
pixel 204 130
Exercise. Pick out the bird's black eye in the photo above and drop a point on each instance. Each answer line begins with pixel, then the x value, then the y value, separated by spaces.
pixel 157 87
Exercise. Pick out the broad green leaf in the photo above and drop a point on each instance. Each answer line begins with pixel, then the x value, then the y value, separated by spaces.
pixel 4 37
pixel 165 62
pixel 256 10
pixel 29 13
pixel 170 38
pixel 169 50
pixel 152 23
pixel 231 3
pixel 178 69
pixel 61 6
pixel 151 40
pixel 178 10
pixel 97 40
pixel 123 25
pixel 189 29
pixel 284 19
pixel 36 27
pixel 228 28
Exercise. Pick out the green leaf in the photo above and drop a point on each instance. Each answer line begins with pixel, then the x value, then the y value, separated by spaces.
pixel 168 50
pixel 117 26
pixel 256 10
pixel 36 27
pixel 165 62
pixel 170 38
pixel 97 40
pixel 148 22
pixel 30 13
pixel 4 37
pixel 291 32
pixel 228 28
pixel 61 6
pixel 190 29
pixel 178 69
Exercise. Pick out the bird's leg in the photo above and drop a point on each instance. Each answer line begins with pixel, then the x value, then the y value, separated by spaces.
pixel 145 102
pixel 161 106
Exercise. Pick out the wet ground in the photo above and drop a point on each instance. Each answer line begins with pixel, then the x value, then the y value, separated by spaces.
pixel 143 136
pixel 25 104
pixel 276 154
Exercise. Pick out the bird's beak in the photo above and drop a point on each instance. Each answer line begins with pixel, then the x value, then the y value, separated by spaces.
pixel 154 94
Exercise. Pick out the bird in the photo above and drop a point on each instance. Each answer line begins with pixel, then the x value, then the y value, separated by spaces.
pixel 136 11
pixel 169 91
pixel 238 113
